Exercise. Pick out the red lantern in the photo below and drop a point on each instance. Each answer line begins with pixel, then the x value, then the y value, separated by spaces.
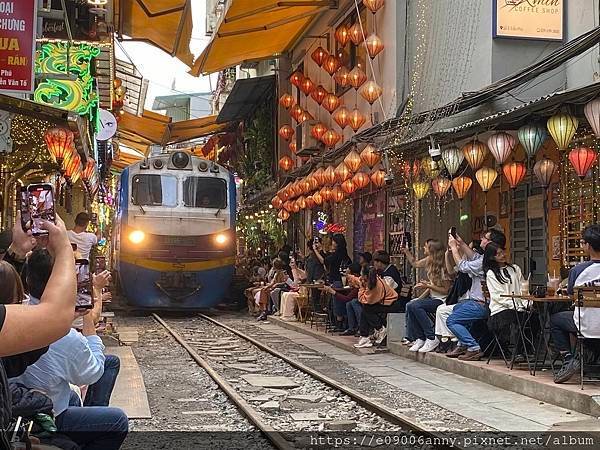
pixel 441 186
pixel 370 91
pixel 326 193
pixel 352 161
pixel 342 36
pixel 72 167
pixel 514 173
pixel 361 180
pixel 286 163
pixel 293 147
pixel 296 78
pixel 286 132
pixel 341 116
pixel 304 117
pixel 287 101
pixel 313 184
pixel 378 178
pixel 329 175
pixel 89 170
pixel 318 198
pixel 319 94
pixel 356 33
pixel 319 175
pixel 348 187
pixel 461 186
pixel 295 112
pixel 342 173
pixel 283 215
pixel 582 160
pixel 59 142
pixel 276 202
pixel 370 156
pixel 318 130
pixel 356 119
pixel 331 102
pixel 342 77
pixel 331 138
pixel 304 186
pixel 373 5
pixel 310 202
pixel 331 64
pixel 319 55
pixel 307 86
pixel 301 202
pixel 284 194
pixel 288 206
pixel 411 170
pixel 374 45
pixel 295 207
pixel 297 188
pixel 357 77
pixel 337 195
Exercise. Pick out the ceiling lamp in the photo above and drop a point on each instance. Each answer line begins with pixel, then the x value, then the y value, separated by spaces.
pixel 326 193
pixel 562 128
pixel 370 156
pixel 310 202
pixel 332 64
pixel 342 173
pixel 293 147
pixel 370 91
pixel 440 185
pixel 582 159
pixel 532 137
pixel 430 167
pixel 544 170
pixel 276 202
pixel 475 153
pixel 295 112
pixel 296 78
pixel 319 175
pixel 514 173
pixel 461 186
pixel 342 35
pixel 329 175
pixel 356 33
pixel 452 158
pixel 331 102
pixel 486 177
pixel 378 178
pixel 341 116
pixel 592 114
pixel 373 5
pixel 348 187
pixel 286 132
pixel 342 77
pixel 319 55
pixel 420 188
pixel 286 163
pixel 59 142
pixel 318 130
pixel 337 195
pixel 318 94
pixel 313 184
pixel 307 86
pixel 352 161
pixel 72 167
pixel 357 77
pixel 331 138
pixel 283 215
pixel 374 45
pixel 356 119
pixel 304 117
pixel 361 180
pixel 317 198
pixel 500 145
pixel 287 101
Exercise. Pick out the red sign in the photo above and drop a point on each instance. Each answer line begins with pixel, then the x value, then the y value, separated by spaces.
pixel 17 45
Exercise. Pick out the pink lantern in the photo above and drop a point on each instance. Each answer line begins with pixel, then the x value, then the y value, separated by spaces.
pixel 500 145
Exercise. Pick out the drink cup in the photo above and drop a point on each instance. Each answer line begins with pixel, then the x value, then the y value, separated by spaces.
pixel 525 287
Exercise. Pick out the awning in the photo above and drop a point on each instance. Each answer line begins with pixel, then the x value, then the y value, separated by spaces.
pixel 252 30
pixel 166 24
pixel 244 97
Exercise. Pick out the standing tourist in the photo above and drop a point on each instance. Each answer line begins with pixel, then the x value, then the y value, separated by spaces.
pixel 82 238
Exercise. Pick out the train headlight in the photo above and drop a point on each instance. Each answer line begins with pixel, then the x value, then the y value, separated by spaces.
pixel 221 238
pixel 137 236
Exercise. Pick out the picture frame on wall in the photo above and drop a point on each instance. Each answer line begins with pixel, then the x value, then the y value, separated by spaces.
pixel 504 204
pixel 556 248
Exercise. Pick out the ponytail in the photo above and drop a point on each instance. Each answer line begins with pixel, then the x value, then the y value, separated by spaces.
pixel 372 278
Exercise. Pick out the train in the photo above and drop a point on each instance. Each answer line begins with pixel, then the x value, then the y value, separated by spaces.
pixel 174 243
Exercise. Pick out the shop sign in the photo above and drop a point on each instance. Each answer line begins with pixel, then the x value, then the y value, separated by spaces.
pixel 529 19
pixel 17 45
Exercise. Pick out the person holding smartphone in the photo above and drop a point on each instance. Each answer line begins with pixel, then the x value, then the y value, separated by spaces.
pixel 82 238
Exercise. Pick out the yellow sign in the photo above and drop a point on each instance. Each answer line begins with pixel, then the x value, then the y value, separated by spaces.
pixel 529 19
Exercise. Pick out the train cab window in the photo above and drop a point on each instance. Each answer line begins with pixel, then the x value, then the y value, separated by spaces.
pixel 204 192
pixel 154 190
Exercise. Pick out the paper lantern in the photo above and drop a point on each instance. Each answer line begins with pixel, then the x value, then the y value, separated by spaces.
pixel 373 5
pixel 348 187
pixel 293 147
pixel 378 178
pixel 342 35
pixel 286 132
pixel 318 94
pixel 341 116
pixel 500 145
pixel 301 202
pixel 295 207
pixel 329 175
pixel 59 142
pixel 288 206
pixel 514 173
pixel 592 114
pixel 319 175
pixel 475 153
pixel 276 202
pixel 532 137
pixel 357 77
pixel 356 33
pixel 430 167
pixel 342 77
pixel 298 188
pixel 337 195
pixel 370 91
pixel 318 130
pixel 342 173
pixel 330 138
pixel 317 198
pixel 452 158
pixel 352 161
pixel 286 163
pixel 284 194
pixel 290 190
pixel 326 192
pixel 319 55
pixel 313 184
pixel 411 170
pixel 295 112
pixel 374 45
pixel 304 185
pixel 582 159
pixel 296 78
pixel 356 119
pixel 304 117
pixel 283 215
pixel 361 180
pixel 331 64
pixel 562 128
pixel 331 102
pixel 310 202
pixel 440 186
pixel 72 166
pixel 544 170
pixel 420 188
pixel 486 177
pixel 89 170
pixel 307 86
pixel 370 156
pixel 287 101
pixel 461 186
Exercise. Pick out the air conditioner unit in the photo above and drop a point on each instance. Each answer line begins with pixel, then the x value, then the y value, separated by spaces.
pixel 309 145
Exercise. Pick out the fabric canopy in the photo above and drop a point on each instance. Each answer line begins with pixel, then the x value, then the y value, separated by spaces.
pixel 166 24
pixel 252 30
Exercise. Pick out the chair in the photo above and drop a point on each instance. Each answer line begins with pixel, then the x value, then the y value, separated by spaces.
pixel 302 305
pixel 586 297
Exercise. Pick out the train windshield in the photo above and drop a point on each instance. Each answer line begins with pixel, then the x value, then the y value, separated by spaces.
pixel 154 190
pixel 202 192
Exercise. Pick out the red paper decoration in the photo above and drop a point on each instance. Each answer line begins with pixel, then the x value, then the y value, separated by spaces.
pixel 514 173
pixel 332 64
pixel 341 117
pixel 318 130
pixel 342 77
pixel 331 138
pixel 318 198
pixel 337 195
pixel 373 5
pixel 361 180
pixel 374 45
pixel 283 215
pixel 461 186
pixel 310 202
pixel 326 193
pixel 293 147
pixel 582 159
pixel 331 102
pixel 286 132
pixel 59 142
pixel 296 78
pixel 307 86
pixel 319 55
pixel 475 153
pixel 276 202
pixel 370 156
pixel 286 163
pixel 353 161
pixel 305 116
pixel 356 119
pixel 370 91
pixel 357 77
pixel 342 173
pixel 319 175
pixel 295 112
pixel 342 35
pixel 318 94
pixel 287 101
pixel 378 178
pixel 356 34
pixel 348 187
pixel 329 175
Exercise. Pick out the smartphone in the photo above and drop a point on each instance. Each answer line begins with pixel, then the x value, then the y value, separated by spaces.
pixel 84 285
pixel 22 198
pixel 100 264
pixel 453 232
pixel 39 203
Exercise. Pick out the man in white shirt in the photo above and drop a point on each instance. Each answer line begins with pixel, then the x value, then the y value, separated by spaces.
pixel 80 237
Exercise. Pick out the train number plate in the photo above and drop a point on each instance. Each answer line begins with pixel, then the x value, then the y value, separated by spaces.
pixel 180 241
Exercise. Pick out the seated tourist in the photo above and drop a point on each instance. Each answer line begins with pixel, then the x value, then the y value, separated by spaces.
pixel 365 259
pixel 566 324
pixel 288 299
pixel 277 277
pixel 341 297
pixel 315 271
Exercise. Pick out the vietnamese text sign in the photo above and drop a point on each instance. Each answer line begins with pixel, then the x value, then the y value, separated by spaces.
pixel 529 19
pixel 17 45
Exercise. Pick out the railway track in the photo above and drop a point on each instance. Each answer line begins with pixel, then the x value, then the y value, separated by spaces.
pixel 293 405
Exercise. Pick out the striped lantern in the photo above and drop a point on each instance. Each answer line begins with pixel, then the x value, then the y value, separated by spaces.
pixel 514 173
pixel 452 158
pixel 562 128
pixel 500 145
pixel 475 153
pixel 592 114
pixel 532 137
pixel 486 177
pixel 461 186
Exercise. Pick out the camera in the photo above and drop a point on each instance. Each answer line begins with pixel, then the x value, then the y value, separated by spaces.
pixel 389 178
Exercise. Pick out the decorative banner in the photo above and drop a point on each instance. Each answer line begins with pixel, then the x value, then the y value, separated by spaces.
pixel 6 143
pixel 529 19
pixel 17 45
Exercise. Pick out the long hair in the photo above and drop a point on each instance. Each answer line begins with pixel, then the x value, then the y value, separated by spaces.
pixel 371 274
pixel 490 263
pixel 11 287
pixel 436 263
pixel 342 246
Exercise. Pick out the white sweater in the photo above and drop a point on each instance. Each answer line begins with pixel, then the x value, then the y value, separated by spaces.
pixel 497 289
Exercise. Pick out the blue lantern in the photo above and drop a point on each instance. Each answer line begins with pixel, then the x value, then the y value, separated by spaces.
pixel 531 138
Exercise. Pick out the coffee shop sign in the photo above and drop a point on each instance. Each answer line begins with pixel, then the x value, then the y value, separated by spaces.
pixel 529 19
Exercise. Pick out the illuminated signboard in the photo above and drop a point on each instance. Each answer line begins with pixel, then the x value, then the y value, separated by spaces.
pixel 529 19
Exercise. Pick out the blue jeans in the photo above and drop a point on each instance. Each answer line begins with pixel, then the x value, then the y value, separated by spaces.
pixel 418 323
pixel 563 326
pixel 339 308
pixel 462 318
pixel 94 427
pixel 98 394
pixel 353 311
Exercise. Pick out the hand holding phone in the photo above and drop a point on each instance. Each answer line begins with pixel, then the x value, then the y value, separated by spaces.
pixel 37 206
pixel 452 232
pixel 84 285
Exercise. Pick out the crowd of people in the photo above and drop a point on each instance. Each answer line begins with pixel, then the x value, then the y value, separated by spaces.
pixel 54 373
pixel 462 306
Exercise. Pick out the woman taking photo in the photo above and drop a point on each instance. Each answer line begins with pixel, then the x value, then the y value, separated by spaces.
pixel 335 260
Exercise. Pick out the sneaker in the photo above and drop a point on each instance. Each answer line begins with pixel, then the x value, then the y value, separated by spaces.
pixel 566 372
pixel 471 355
pixel 430 345
pixel 262 316
pixel 458 351
pixel 348 332
pixel 380 335
pixel 406 341
pixel 417 345
pixel 364 342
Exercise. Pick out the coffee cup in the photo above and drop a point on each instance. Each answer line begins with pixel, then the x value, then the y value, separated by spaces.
pixel 525 288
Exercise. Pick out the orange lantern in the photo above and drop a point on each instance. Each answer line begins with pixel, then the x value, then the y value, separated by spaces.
pixel 301 202
pixel 582 159
pixel 475 153
pixel 341 117
pixel 304 117
pixel 284 194
pixel 356 33
pixel 297 188
pixel 342 77
pixel 514 173
pixel 352 161
pixel 287 101
pixel 59 142
pixel 331 64
pixel 296 78
pixel 293 147
pixel 342 36
pixel 378 178
pixel 288 206
pixel 373 5
pixel 329 175
pixel 319 94
pixel 461 186
pixel 295 112
pixel 486 177
pixel 290 190
pixel 295 207
pixel 313 184
pixel 331 138
pixel 304 185
pixel 337 195
pixel 319 175
pixel 370 156
pixel 357 77
pixel 326 193
pixel 318 130
pixel 286 132
pixel 72 167
pixel 331 102
pixel 361 180
pixel 307 86
pixel 370 91
pixel 317 198
pixel 89 170
pixel 441 186
pixel 374 45
pixel 286 163
pixel 348 187
pixel 342 173
pixel 283 215
pixel 319 55
pixel 276 202
pixel 310 202
pixel 356 119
